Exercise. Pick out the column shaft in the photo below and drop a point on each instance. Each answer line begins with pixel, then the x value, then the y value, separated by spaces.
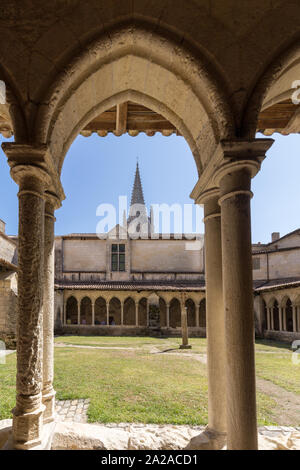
pixel 239 314
pixel 78 311
pixel 93 313
pixel 284 318
pixel 168 315
pixel 136 314
pixel 107 313
pixel 294 318
pixel 122 313
pixel 280 318
pixel 48 315
pixel 215 318
pixel 197 315
pixel 27 415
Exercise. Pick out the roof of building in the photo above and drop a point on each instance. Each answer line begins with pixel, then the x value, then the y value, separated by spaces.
pixel 278 284
pixel 134 285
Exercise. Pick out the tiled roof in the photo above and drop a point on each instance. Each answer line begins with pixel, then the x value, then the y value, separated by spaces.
pixel 134 285
pixel 278 284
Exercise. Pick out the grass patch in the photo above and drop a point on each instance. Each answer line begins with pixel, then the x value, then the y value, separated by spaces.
pixel 279 369
pixel 135 385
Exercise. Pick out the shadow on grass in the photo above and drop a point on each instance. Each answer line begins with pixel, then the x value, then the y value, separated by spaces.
pixel 273 344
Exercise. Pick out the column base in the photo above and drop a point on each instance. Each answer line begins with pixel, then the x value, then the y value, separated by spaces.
pixel 27 428
pixel 49 403
pixel 207 440
pixel 185 346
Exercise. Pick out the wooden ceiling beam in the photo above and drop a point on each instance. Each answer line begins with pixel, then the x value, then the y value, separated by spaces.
pixel 121 118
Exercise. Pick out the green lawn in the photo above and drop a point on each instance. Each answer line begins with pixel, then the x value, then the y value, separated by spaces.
pixel 143 385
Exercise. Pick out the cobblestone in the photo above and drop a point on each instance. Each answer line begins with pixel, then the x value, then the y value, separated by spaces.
pixel 72 410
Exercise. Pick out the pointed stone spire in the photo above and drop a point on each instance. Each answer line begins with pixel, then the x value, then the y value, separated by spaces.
pixel 137 196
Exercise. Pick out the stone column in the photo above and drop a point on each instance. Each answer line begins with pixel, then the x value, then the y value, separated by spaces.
pixel 284 318
pixel 168 315
pixel 197 315
pixel 107 313
pixel 214 436
pixel 122 313
pixel 51 204
pixel 268 318
pixel 272 318
pixel 298 318
pixel 235 183
pixel 184 327
pixel 294 318
pixel 136 314
pixel 28 413
pixel 147 313
pixel 78 311
pixel 93 312
pixel 280 318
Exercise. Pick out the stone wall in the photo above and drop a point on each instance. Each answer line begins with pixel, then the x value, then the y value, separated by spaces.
pixel 83 330
pixel 8 308
pixel 284 336
pixel 8 249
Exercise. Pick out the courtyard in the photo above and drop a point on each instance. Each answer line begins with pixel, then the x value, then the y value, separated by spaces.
pixel 151 381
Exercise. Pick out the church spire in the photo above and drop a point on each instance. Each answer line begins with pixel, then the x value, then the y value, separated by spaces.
pixel 137 196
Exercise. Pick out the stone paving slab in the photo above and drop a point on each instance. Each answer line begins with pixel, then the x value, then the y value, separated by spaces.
pixel 72 410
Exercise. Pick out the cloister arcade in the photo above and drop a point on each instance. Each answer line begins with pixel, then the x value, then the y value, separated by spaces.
pixel 217 74
pixel 281 312
pixel 123 310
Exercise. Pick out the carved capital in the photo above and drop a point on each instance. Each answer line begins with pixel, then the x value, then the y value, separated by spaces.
pixel 37 156
pixel 230 156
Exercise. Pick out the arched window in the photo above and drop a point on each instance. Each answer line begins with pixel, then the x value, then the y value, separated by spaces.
pixel 143 312
pixel 129 312
pixel 175 313
pixel 202 320
pixel 100 312
pixel 114 312
pixel 191 312
pixel 72 311
pixel 289 315
pixel 86 311
pixel 163 312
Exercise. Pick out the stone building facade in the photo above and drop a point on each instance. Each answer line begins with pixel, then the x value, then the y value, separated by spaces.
pixel 8 288
pixel 105 283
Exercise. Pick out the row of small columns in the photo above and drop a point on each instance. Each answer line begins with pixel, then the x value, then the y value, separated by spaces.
pixel 226 194
pixel 282 318
pixel 182 307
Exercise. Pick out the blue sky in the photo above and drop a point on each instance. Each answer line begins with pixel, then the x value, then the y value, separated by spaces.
pixel 97 170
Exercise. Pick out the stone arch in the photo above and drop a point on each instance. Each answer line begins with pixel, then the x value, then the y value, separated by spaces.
pixel 86 311
pixel 72 311
pixel 114 311
pixel 280 66
pixel 191 312
pixel 175 313
pixel 202 314
pixel 129 312
pixel 187 93
pixel 142 312
pixel 100 311
pixel 163 312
